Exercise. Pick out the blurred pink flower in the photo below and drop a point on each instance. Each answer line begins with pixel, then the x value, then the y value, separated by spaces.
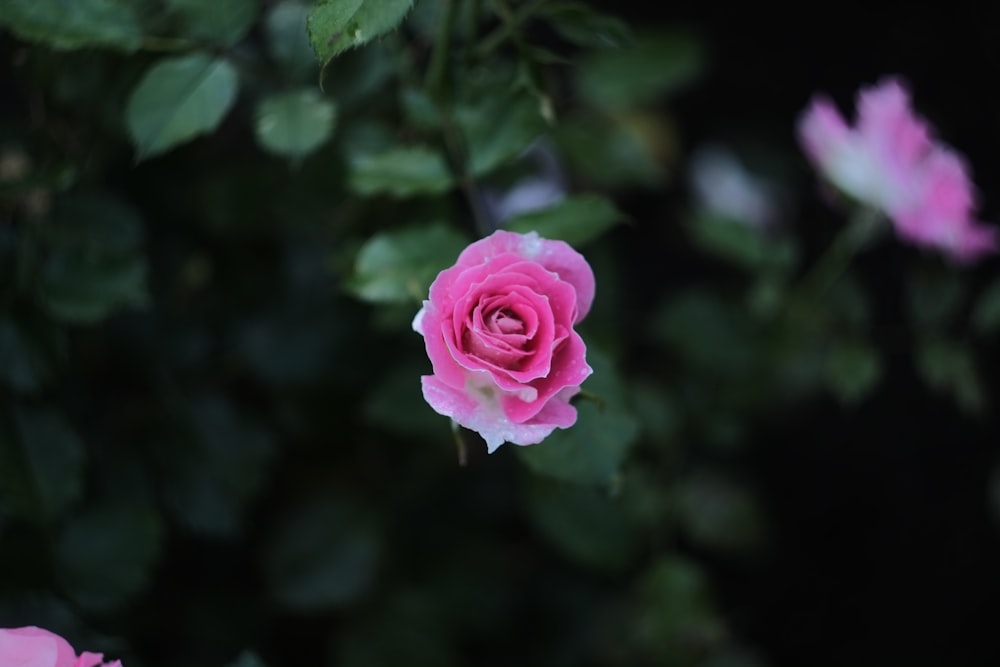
pixel 35 647
pixel 891 162
pixel 498 328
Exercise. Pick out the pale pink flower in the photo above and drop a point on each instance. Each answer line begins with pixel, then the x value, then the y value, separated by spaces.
pixel 35 647
pixel 891 162
pixel 498 328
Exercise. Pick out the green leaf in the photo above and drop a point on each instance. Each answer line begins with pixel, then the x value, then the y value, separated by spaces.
pixel 581 25
pixel 497 127
pixel 287 41
pixel 222 22
pixel 295 123
pixel 986 314
pixel 106 556
pixel 41 465
pixel 74 24
pixel 853 368
pixel 657 65
pixel 323 555
pixel 337 25
pixel 592 450
pixel 400 172
pixel 618 151
pixel 949 367
pixel 399 266
pixel 577 220
pixel 178 99
pixel 94 267
pixel 584 523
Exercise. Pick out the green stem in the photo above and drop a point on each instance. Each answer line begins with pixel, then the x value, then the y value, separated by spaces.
pixel 438 67
pixel 510 24
pixel 858 232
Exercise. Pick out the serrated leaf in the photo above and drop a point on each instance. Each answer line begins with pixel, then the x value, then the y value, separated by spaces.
pixel 577 220
pixel 584 523
pixel 401 172
pixel 853 368
pixel 105 557
pixel 178 99
pixel 592 450
pixel 337 25
pixel 323 555
pixel 41 464
pixel 74 24
pixel 287 41
pixel 222 22
pixel 295 123
pixel 399 266
pixel 986 314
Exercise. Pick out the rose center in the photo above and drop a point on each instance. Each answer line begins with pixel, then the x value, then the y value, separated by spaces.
pixel 505 322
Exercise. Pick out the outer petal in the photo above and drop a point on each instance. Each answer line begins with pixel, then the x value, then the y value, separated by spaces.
pixel 93 660
pixel 485 416
pixel 35 647
pixel 822 132
pixel 569 370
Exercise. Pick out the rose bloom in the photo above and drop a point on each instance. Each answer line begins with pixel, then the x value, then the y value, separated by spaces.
pixel 35 647
pixel 890 162
pixel 498 327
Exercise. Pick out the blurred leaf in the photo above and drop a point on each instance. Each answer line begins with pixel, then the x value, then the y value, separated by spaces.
pixel 213 466
pixel 323 555
pixel 708 333
pixel 934 298
pixel 584 523
pixel 592 450
pixel 400 172
pixel 74 24
pixel 222 22
pixel 577 220
pixel 577 23
pixel 948 366
pixel 986 314
pixel 247 659
pixel 719 514
pixel 337 25
pixel 676 622
pixel 94 267
pixel 658 64
pixel 410 628
pixel 853 368
pixel 26 351
pixel 497 127
pixel 106 556
pixel 287 40
pixel 399 266
pixel 178 99
pixel 41 464
pixel 743 245
pixel 624 150
pixel 294 124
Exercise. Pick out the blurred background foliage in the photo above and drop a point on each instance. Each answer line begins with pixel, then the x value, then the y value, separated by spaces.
pixel 217 220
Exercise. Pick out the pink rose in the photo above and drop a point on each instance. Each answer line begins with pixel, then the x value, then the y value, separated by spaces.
pixel 890 162
pixel 35 647
pixel 498 328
